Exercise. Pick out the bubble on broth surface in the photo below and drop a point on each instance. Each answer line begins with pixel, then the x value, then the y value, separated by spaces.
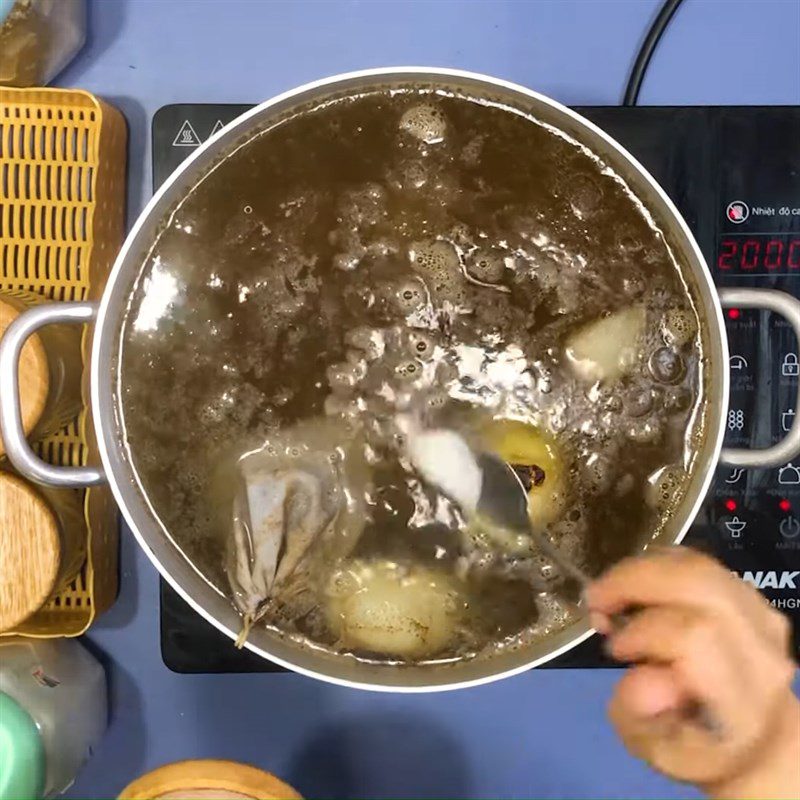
pixel 486 265
pixel 639 401
pixel 435 258
pixel 344 376
pixel 408 369
pixel 666 365
pixel 438 263
pixel 368 340
pixel 415 175
pixel 409 295
pixel 421 344
pixel 585 196
pixel 678 327
pixel 425 122
pixel 665 487
pixel 599 473
pixel 471 152
pixel 364 206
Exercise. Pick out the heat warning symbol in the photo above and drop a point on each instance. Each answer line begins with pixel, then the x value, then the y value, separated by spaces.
pixel 186 136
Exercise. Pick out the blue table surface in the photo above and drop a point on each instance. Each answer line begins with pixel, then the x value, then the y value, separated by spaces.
pixel 543 734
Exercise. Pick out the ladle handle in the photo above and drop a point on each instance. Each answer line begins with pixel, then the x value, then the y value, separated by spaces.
pixel 788 448
pixel 18 450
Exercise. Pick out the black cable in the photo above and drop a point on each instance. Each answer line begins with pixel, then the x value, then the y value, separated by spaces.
pixel 646 51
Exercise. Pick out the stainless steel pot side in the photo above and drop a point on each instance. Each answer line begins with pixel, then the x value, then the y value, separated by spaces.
pixel 155 540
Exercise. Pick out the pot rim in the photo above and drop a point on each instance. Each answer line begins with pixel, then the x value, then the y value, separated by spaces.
pixel 106 432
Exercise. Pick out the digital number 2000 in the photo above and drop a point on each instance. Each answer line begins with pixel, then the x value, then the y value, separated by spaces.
pixel 759 255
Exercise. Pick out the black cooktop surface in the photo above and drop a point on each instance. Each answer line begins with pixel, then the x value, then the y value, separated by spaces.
pixel 734 173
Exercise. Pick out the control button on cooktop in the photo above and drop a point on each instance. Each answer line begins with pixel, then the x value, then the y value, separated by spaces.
pixel 735 477
pixel 789 528
pixel 738 363
pixel 790 366
pixel 734 527
pixel 789 475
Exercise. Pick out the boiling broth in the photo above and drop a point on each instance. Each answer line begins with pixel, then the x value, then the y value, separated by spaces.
pixel 405 249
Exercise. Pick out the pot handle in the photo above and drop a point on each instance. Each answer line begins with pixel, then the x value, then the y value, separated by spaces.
pixel 19 451
pixel 788 307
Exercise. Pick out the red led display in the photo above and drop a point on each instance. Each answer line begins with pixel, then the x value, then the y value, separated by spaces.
pixel 759 254
pixel 731 504
pixel 785 505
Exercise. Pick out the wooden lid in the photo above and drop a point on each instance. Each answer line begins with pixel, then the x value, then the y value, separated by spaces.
pixel 30 551
pixel 209 780
pixel 34 377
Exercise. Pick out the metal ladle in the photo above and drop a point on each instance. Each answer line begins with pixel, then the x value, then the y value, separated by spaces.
pixel 503 502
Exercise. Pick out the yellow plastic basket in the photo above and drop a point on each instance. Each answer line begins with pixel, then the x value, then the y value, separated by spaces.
pixel 62 205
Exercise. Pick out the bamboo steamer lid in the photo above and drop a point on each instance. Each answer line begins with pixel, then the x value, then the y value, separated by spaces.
pixel 208 780
pixel 30 551
pixel 34 376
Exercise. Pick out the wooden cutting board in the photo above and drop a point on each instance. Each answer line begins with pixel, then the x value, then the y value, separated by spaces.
pixel 33 374
pixel 30 551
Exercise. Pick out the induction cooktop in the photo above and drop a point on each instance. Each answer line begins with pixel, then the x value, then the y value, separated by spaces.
pixel 734 173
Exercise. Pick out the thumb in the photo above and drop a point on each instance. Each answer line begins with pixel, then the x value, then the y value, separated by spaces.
pixel 648 690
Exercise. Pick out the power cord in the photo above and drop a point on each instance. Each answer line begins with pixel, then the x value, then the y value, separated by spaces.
pixel 646 51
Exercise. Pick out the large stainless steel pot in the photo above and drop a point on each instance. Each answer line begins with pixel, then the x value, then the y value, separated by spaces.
pixel 107 316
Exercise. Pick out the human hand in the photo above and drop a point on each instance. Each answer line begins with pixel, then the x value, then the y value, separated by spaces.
pixel 701 638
